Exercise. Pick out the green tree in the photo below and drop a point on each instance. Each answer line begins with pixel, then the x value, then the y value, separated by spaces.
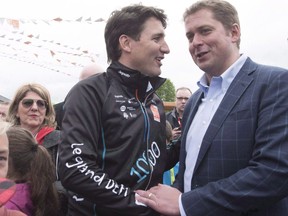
pixel 167 91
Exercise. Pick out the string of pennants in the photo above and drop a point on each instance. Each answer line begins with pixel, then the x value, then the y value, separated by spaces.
pixel 16 22
pixel 39 64
pixel 33 49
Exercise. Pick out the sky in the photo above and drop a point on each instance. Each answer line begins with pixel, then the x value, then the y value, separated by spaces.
pixel 53 51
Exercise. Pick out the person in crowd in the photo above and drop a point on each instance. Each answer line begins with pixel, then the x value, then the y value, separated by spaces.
pixel 114 123
pixel 169 175
pixel 4 106
pixel 168 132
pixel 4 148
pixel 175 116
pixel 90 70
pixel 58 108
pixel 32 169
pixel 233 158
pixel 31 108
pixel 7 186
pixel 86 72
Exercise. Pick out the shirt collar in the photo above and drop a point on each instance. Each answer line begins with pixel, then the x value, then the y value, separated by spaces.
pixel 227 77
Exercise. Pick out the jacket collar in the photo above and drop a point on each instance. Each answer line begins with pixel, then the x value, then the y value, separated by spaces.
pixel 133 79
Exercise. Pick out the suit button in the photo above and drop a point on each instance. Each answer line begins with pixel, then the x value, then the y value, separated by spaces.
pixel 195 186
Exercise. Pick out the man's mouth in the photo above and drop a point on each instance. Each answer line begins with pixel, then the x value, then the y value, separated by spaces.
pixel 201 54
pixel 159 59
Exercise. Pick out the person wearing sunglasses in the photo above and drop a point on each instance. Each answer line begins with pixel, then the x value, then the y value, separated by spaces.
pixel 32 109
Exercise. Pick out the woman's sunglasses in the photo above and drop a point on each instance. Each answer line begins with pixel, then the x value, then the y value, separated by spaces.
pixel 27 103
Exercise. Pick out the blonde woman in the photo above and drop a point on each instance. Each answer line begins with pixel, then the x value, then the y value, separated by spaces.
pixel 32 109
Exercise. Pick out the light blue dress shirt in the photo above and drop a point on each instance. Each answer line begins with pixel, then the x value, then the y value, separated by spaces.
pixel 213 95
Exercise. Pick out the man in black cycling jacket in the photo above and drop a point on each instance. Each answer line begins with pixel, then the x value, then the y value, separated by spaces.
pixel 114 123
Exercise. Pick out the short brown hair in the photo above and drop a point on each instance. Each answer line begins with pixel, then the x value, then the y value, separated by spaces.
pixel 129 21
pixel 223 11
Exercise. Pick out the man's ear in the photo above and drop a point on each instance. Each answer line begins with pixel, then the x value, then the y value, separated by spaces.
pixel 125 43
pixel 235 32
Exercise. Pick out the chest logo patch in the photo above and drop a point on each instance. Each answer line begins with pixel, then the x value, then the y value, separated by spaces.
pixel 155 112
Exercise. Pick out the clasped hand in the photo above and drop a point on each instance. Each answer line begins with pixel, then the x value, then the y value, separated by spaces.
pixel 161 198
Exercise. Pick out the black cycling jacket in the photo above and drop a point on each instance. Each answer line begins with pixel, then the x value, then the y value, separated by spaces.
pixel 113 139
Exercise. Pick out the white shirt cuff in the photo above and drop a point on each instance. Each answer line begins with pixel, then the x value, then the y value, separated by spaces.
pixel 182 212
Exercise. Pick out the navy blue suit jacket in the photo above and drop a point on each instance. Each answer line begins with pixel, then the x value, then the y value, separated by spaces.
pixel 242 166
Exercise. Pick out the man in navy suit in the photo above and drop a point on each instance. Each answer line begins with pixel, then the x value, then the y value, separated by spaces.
pixel 233 158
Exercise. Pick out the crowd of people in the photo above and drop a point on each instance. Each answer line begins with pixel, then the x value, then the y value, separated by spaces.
pixel 110 149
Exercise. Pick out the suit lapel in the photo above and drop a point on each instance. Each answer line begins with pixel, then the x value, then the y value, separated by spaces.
pixel 195 102
pixel 233 94
pixel 188 115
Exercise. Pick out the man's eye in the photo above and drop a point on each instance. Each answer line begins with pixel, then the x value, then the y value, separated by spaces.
pixel 205 31
pixel 156 39
pixel 2 158
pixel 190 37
